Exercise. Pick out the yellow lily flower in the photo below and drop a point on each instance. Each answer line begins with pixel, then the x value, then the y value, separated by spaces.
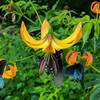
pixel 48 42
pixel 10 73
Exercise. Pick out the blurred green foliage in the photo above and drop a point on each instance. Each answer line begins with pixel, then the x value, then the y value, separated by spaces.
pixel 28 84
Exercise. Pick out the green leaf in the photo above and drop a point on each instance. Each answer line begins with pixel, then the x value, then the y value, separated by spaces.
pixel 87 31
pixel 96 29
pixel 93 79
pixel 96 94
pixel 61 97
pixel 55 5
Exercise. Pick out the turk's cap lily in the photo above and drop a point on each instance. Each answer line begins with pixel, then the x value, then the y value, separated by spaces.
pixel 8 74
pixel 71 57
pixel 48 42
pixel 95 7
pixel 88 57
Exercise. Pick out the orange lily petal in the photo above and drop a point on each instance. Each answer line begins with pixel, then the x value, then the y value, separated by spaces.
pixel 88 57
pixel 71 57
pixel 10 73
pixel 67 56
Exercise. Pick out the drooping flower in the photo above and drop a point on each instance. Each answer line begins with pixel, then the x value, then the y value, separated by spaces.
pixel 95 7
pixel 48 42
pixel 88 57
pixel 4 73
pixel 71 57
pixel 8 74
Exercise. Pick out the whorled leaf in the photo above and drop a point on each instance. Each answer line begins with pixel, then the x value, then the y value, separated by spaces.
pixel 87 31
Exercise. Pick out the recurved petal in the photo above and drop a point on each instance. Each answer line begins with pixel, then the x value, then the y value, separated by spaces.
pixel 11 72
pixel 44 28
pixel 88 57
pixel 75 36
pixel 78 37
pixel 71 57
pixel 13 69
pixel 58 46
pixel 68 55
pixel 24 33
pixel 7 74
pixel 70 41
pixel 29 40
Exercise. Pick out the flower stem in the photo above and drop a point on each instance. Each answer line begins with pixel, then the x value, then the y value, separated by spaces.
pixel 28 19
pixel 36 13
pixel 22 59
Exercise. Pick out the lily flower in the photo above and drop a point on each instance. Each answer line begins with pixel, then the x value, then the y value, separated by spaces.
pixel 11 72
pixel 48 42
pixel 88 57
pixel 95 7
pixel 71 57
pixel 6 73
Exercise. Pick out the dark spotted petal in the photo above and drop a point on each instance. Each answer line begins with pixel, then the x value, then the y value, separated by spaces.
pixel 55 67
pixel 43 64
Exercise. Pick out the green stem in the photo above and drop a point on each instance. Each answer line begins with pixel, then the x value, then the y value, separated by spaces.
pixel 94 44
pixel 96 16
pixel 22 14
pixel 22 59
pixel 36 13
pixel 98 71
pixel 28 19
